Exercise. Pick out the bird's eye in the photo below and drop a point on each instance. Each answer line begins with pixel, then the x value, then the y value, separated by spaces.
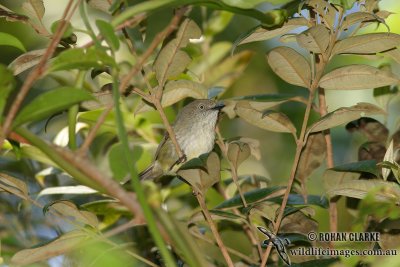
pixel 201 106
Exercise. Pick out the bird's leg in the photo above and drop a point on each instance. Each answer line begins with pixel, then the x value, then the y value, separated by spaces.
pixel 178 161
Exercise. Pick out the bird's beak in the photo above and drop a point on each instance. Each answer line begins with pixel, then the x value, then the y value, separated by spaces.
pixel 219 106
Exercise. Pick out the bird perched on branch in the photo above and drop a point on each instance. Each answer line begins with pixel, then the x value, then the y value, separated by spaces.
pixel 194 129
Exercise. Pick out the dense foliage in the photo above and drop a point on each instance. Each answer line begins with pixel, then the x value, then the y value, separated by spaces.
pixel 84 112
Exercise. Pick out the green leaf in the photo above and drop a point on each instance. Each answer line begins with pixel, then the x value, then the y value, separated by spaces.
pixel 251 197
pixel 49 103
pixel 357 77
pixel 316 39
pixel 359 166
pixel 269 120
pixel 360 188
pixel 261 34
pixel 290 66
pixel 58 246
pixel 333 178
pixel 10 40
pixel 344 115
pixel 245 4
pixel 107 31
pixel 7 85
pixel 370 43
pixel 68 31
pixel 295 199
pixel 103 5
pixel 117 161
pixel 81 59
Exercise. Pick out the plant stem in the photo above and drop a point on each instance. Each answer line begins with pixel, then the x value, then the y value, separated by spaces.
pixel 137 187
pixel 73 112
pixel 213 227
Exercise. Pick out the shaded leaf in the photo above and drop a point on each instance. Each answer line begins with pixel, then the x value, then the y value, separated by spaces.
pixel 290 66
pixel 217 215
pixel 270 120
pixel 107 31
pixel 372 129
pixel 360 188
pixel 10 40
pixel 325 10
pixel 238 152
pixel 68 31
pixel 251 197
pixel 103 5
pixel 7 85
pixel 389 157
pixel 13 186
pixel 371 150
pixel 245 4
pixel 49 103
pixel 368 166
pixel 261 34
pixel 172 60
pixel 71 211
pixel 9 15
pixel 58 246
pixel 118 164
pixel 370 43
pixel 34 8
pixel 295 199
pixel 26 61
pixel 357 77
pixel 312 157
pixel 394 54
pixel 343 115
pixel 82 59
pixel 316 39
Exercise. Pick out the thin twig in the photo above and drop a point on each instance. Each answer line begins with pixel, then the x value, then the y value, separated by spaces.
pixel 213 228
pixel 36 73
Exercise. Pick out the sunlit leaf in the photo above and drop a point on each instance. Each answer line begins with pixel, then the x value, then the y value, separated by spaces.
pixel 13 186
pixel 34 8
pixel 316 39
pixel 344 115
pixel 290 66
pixel 325 10
pixel 243 3
pixel 10 40
pixel 172 60
pixel 389 156
pixel 251 197
pixel 26 61
pixel 238 152
pixel 358 17
pixel 201 177
pixel 262 34
pixel 107 31
pixel 367 43
pixel 68 190
pixel 357 77
pixel 58 246
pixel 359 189
pixel 270 120
pixel 49 103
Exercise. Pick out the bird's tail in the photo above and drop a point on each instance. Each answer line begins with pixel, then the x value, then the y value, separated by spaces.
pixel 147 173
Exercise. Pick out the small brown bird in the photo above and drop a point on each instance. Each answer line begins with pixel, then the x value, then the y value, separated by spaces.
pixel 194 128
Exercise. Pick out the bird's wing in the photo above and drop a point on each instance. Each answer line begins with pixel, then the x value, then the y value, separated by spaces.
pixel 165 138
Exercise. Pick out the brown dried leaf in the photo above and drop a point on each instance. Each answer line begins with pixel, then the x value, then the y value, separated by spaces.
pixel 34 8
pixel 357 77
pixel 358 17
pixel 26 61
pixel 70 210
pixel 290 66
pixel 325 10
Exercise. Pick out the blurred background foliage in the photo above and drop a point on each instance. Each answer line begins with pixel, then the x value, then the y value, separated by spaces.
pixel 23 225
